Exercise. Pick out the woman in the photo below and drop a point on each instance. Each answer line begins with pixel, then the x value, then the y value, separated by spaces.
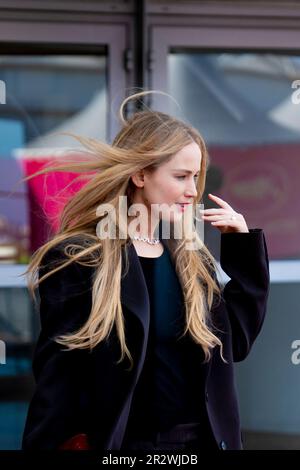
pixel 137 342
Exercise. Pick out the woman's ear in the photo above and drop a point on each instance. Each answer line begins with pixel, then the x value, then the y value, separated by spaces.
pixel 138 179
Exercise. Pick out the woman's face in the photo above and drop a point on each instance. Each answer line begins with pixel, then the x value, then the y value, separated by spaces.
pixel 172 183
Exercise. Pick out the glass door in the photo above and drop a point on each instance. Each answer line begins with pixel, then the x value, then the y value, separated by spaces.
pixel 55 78
pixel 238 87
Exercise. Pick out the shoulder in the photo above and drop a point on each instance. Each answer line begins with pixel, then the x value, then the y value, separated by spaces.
pixel 66 293
pixel 72 276
pixel 64 250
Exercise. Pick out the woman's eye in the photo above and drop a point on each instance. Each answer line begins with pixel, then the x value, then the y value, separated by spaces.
pixel 181 177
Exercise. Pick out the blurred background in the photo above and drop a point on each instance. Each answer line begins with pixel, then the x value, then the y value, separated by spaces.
pixel 231 68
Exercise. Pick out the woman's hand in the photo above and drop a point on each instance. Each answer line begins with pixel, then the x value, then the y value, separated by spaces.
pixel 225 218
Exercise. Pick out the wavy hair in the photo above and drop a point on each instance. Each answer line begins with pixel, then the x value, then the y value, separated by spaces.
pixel 146 140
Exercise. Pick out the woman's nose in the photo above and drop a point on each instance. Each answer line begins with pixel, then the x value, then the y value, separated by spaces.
pixel 191 190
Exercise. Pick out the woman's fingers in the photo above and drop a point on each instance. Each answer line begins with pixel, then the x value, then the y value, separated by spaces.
pixel 224 217
pixel 218 214
pixel 215 217
pixel 220 201
pixel 213 211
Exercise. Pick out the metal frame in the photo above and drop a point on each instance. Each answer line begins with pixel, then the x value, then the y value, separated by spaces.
pixel 140 43
pixel 112 6
pixel 231 9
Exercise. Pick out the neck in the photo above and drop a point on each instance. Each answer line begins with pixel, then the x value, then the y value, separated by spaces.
pixel 143 228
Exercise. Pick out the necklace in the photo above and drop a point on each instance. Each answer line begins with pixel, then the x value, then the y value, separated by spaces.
pixel 154 241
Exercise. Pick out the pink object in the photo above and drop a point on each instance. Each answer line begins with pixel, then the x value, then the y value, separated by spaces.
pixel 47 195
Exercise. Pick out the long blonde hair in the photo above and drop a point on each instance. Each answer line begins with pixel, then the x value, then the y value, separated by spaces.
pixel 146 140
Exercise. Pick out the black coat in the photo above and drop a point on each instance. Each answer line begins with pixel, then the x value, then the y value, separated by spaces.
pixel 88 392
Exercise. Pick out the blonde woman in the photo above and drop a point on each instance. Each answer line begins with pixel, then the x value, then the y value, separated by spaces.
pixel 137 341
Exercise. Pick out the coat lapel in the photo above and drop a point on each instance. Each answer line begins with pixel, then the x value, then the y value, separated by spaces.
pixel 135 297
pixel 134 292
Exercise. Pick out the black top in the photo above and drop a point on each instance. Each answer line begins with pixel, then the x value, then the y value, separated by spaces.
pixel 169 390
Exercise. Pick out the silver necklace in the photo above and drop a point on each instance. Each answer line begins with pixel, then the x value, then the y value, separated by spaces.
pixel 154 241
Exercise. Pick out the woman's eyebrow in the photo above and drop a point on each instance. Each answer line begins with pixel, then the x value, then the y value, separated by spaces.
pixel 186 171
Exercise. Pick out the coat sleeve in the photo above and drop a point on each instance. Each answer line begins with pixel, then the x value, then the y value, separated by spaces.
pixel 53 411
pixel 244 259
